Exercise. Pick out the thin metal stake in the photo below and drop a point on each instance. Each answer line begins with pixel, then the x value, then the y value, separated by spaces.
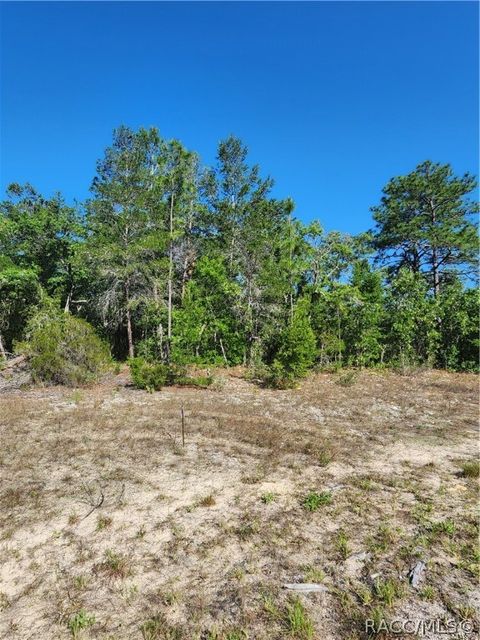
pixel 183 426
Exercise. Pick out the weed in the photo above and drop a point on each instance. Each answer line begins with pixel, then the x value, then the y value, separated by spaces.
pixel 446 527
pixel 324 457
pixel 80 582
pixel 247 529
pixel 207 501
pixel 115 565
pixel 471 469
pixel 80 621
pixel 254 478
pixel 421 511
pixel 382 540
pixel 428 593
pixel 466 612
pixel 170 598
pixel 376 620
pixel 157 628
pixel 364 594
pixel 268 497
pixel 314 500
pixel 388 591
pixel 365 483
pixel 4 601
pixel 342 544
pixel 312 574
pixel 271 608
pixel 347 379
pixel 103 522
pixel 235 634
pixel 76 396
pixel 73 519
pixel 297 621
pixel 129 593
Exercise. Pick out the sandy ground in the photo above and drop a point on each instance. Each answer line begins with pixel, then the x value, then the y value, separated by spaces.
pixel 112 529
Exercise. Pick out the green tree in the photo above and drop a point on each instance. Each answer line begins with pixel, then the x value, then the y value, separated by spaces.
pixel 126 222
pixel 296 348
pixel 20 291
pixel 42 235
pixel 459 321
pixel 412 331
pixel 207 328
pixel 256 236
pixel 363 332
pixel 424 222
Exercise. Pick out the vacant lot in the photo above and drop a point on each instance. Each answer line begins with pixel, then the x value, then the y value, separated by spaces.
pixel 112 529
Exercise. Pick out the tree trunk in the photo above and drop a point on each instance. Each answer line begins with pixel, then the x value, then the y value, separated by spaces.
pixel 66 308
pixel 131 352
pixel 435 273
pixel 435 270
pixel 189 255
pixel 3 353
pixel 170 274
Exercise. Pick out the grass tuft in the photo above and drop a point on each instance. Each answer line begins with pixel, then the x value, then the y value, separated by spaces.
pixel 315 500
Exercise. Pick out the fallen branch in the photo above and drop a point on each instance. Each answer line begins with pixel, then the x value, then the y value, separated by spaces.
pixel 13 362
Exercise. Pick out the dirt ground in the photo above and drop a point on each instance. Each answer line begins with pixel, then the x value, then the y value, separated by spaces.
pixel 112 529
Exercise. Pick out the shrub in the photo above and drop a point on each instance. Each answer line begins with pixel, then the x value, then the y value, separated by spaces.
pixel 152 376
pixel 63 349
pixel 148 375
pixel 296 350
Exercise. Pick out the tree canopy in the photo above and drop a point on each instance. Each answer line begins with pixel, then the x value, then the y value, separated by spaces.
pixel 175 262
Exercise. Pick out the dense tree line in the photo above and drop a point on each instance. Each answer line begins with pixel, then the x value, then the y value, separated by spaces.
pixel 178 263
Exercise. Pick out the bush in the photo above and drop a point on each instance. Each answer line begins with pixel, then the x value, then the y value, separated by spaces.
pixel 62 349
pixel 148 375
pixel 279 377
pixel 152 376
pixel 296 350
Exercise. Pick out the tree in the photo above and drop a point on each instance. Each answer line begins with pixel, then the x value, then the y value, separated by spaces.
pixel 42 235
pixel 256 235
pixel 363 331
pixel 412 331
pixel 207 328
pixel 231 190
pixel 181 185
pixel 20 291
pixel 126 230
pixel 459 321
pixel 296 350
pixel 424 223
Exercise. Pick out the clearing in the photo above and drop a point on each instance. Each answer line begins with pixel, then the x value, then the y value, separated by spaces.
pixel 112 529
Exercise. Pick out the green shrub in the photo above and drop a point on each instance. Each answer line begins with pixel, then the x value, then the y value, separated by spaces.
pixel 279 377
pixel 347 379
pixel 152 376
pixel 148 375
pixel 63 349
pixel 296 350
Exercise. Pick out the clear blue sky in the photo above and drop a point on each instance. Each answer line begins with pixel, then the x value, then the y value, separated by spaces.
pixel 332 99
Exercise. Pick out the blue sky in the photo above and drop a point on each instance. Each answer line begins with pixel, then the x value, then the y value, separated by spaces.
pixel 332 99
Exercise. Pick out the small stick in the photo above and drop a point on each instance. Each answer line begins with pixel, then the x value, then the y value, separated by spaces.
pixel 183 426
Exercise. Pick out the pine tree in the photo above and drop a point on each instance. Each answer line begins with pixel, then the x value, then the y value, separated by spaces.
pixel 424 223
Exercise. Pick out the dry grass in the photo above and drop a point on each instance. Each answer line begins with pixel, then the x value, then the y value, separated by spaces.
pixel 112 530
